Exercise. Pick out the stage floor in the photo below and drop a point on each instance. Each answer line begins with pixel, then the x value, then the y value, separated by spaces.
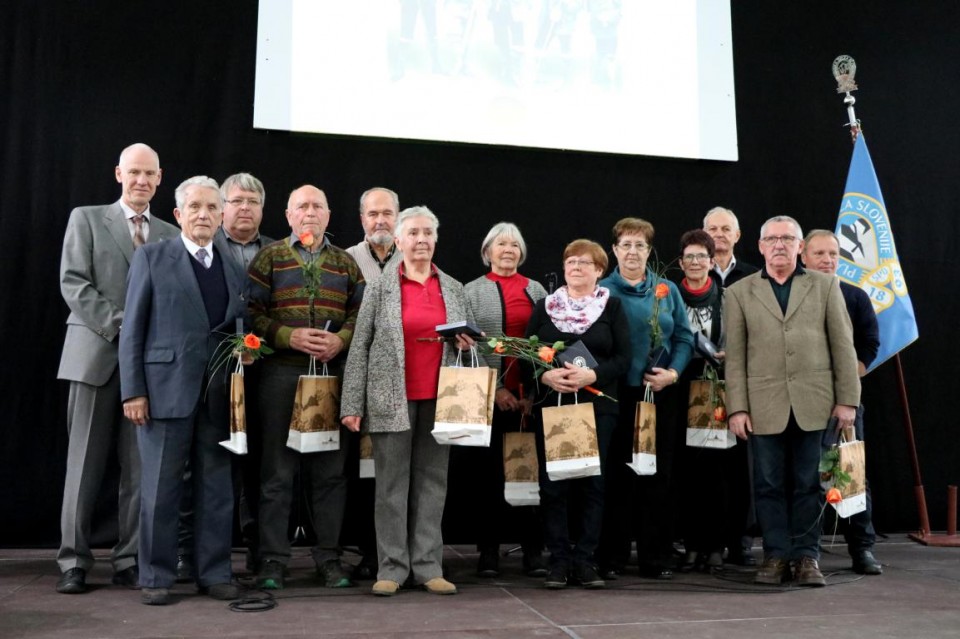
pixel 917 596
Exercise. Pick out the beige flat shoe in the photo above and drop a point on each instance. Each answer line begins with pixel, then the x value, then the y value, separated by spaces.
pixel 440 586
pixel 385 588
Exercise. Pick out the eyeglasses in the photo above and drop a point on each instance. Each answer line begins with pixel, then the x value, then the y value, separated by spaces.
pixel 575 263
pixel 696 257
pixel 240 201
pixel 628 246
pixel 771 240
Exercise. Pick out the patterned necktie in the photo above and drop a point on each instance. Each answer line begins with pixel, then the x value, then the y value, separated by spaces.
pixel 138 239
pixel 202 257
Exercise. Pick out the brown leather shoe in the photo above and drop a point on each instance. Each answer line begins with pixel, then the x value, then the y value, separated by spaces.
pixel 440 586
pixel 808 573
pixel 773 571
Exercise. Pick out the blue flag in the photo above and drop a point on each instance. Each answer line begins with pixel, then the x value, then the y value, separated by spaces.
pixel 868 255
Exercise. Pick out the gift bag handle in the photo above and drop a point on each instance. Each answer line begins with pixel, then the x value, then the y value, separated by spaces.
pixel 576 400
pixel 474 358
pixel 648 394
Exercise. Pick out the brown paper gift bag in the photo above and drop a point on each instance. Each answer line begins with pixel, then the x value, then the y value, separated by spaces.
pixel 704 430
pixel 238 414
pixel 853 461
pixel 644 460
pixel 521 475
pixel 367 470
pixel 465 395
pixel 570 440
pixel 315 422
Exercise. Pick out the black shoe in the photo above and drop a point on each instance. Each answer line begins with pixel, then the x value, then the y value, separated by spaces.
pixel 270 576
pixel 864 563
pixel 332 575
pixel 184 569
pixel 128 578
pixel 489 563
pixel 740 556
pixel 586 575
pixel 655 571
pixel 534 565
pixel 366 569
pixel 72 582
pixel 155 596
pixel 223 592
pixel 556 578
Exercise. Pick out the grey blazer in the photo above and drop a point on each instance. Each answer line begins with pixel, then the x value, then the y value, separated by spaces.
pixel 802 360
pixel 166 342
pixel 374 382
pixel 97 251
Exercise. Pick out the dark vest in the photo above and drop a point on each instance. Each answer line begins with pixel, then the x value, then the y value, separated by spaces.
pixel 213 288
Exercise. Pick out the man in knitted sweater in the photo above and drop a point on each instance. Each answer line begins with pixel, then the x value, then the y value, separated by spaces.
pixel 297 324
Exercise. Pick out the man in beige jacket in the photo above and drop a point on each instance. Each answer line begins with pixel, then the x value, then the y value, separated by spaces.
pixel 791 368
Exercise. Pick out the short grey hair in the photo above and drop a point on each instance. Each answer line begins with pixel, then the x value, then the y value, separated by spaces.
pixel 180 195
pixel 383 189
pixel 780 218
pixel 244 182
pixel 508 229
pixel 720 209
pixel 416 211
pixel 821 233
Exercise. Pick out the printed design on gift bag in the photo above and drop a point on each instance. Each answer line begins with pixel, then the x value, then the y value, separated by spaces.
pixel 311 415
pixel 707 412
pixel 843 473
pixel 646 439
pixel 520 458
pixel 570 438
pixel 238 404
pixel 471 404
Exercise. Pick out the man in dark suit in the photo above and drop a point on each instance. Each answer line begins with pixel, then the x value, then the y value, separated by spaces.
pixel 239 239
pixel 97 248
pixel 790 367
pixel 183 295
pixel 722 225
pixel 821 252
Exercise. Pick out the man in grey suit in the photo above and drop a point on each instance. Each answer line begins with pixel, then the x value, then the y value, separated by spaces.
pixel 97 249
pixel 183 296
pixel 790 367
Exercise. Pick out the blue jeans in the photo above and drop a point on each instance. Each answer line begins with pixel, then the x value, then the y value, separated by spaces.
pixel 787 492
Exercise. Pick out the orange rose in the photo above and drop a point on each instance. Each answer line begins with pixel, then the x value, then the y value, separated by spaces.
pixel 546 354
pixel 251 341
pixel 834 496
pixel 661 291
pixel 307 239
pixel 499 348
pixel 719 414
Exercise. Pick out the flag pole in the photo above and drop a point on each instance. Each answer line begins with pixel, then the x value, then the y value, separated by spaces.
pixel 844 70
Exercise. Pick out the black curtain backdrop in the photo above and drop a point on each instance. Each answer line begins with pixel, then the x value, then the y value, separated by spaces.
pixel 81 80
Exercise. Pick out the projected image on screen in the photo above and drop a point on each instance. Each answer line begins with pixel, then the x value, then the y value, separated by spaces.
pixel 630 76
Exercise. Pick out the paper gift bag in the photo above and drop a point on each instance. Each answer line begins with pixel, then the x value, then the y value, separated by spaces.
pixel 238 414
pixel 315 422
pixel 521 477
pixel 366 457
pixel 465 395
pixel 570 440
pixel 644 460
pixel 853 461
pixel 707 403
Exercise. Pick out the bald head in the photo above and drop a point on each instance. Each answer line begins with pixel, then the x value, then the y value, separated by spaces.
pixel 307 210
pixel 138 172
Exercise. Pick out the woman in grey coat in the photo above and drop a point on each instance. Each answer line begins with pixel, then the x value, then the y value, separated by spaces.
pixel 390 385
pixel 501 302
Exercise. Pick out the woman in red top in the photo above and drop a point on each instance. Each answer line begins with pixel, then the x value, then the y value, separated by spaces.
pixel 501 302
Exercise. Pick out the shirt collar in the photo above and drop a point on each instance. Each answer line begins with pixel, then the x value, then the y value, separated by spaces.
pixel 193 247
pixel 129 213
pixel 295 240
pixel 230 239
pixel 797 271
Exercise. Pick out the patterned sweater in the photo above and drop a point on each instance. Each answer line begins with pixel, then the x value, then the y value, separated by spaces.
pixel 279 303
